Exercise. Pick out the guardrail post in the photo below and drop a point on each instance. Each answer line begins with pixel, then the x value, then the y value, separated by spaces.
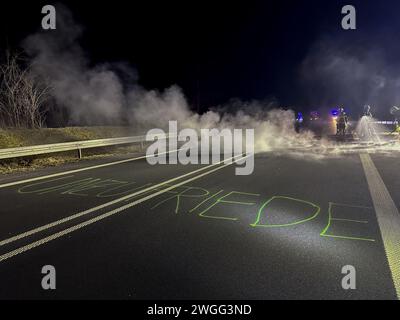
pixel 79 153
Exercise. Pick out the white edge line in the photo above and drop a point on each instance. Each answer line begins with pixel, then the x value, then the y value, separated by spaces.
pixel 79 170
pixel 388 218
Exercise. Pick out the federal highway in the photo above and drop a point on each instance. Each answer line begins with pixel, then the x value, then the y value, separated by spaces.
pixel 119 228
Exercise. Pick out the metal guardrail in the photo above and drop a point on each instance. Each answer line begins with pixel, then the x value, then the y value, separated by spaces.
pixel 78 146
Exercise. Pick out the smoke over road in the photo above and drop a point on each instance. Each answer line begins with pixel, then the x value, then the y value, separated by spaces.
pixel 109 93
pixel 101 94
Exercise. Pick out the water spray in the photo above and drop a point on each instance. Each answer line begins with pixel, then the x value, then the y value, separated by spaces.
pixel 366 128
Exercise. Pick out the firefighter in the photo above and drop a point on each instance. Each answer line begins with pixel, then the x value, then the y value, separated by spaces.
pixel 395 111
pixel 298 122
pixel 342 121
pixel 367 111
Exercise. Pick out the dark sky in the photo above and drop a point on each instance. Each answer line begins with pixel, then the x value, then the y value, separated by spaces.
pixel 214 50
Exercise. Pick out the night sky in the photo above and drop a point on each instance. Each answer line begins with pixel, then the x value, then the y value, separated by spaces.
pixel 214 50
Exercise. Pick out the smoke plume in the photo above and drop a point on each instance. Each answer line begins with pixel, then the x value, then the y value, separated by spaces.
pixel 98 95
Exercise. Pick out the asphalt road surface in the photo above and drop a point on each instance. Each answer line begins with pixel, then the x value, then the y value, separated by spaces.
pixel 284 232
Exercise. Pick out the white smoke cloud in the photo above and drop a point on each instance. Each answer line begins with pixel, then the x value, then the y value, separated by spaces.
pixel 154 108
pixel 91 95
pixel 98 95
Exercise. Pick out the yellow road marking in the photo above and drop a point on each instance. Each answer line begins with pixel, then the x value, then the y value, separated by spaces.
pixel 388 218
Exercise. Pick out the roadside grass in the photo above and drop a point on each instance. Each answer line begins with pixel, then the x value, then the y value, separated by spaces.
pixel 12 138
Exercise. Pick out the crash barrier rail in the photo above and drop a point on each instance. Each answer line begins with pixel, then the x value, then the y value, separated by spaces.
pixel 78 146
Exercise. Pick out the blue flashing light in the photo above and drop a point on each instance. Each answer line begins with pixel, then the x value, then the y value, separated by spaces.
pixel 300 117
